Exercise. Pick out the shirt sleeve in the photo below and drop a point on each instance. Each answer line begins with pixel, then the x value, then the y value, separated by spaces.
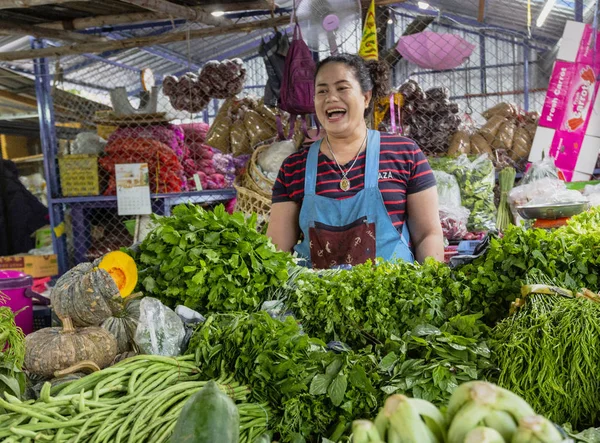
pixel 280 189
pixel 421 175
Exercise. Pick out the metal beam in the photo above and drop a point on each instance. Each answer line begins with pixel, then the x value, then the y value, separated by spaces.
pixel 143 41
pixel 10 117
pixel 481 12
pixel 16 4
pixel 179 11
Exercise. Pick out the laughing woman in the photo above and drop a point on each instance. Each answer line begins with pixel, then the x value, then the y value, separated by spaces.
pixel 357 194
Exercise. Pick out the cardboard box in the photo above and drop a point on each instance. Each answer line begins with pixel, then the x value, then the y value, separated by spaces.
pixel 569 126
pixel 35 265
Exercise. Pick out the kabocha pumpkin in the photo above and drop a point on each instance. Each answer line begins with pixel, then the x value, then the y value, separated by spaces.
pixel 55 349
pixel 122 269
pixel 85 294
pixel 122 325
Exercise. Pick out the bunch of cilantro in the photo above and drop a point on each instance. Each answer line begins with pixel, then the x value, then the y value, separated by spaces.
pixel 210 261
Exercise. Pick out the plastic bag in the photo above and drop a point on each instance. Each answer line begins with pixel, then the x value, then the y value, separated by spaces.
pixel 448 189
pixel 538 190
pixel 271 159
pixel 540 169
pixel 454 221
pixel 160 331
pixel 563 197
pixel 88 143
pixel 191 319
pixel 476 180
pixel 258 129
pixel 505 136
pixel 521 144
pixel 479 145
pixel 491 127
pixel 592 192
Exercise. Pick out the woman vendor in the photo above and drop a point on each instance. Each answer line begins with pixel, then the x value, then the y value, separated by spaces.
pixel 358 194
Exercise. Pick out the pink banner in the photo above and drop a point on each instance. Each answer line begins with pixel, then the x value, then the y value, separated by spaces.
pixel 586 53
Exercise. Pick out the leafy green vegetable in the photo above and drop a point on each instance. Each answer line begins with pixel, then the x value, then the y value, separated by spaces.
pixel 210 260
pixel 12 354
pixel 549 354
pixel 308 388
pixel 568 254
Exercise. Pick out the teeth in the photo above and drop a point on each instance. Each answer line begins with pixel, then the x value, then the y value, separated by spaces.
pixel 331 111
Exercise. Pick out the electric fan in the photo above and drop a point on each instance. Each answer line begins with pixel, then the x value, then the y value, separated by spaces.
pixel 333 21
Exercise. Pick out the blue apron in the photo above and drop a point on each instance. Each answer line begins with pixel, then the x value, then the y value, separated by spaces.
pixel 359 225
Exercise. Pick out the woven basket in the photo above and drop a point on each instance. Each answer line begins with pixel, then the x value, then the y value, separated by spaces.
pixel 250 202
pixel 261 183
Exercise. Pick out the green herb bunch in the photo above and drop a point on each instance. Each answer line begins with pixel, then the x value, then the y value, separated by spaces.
pixel 310 390
pixel 570 254
pixel 12 354
pixel 210 261
pixel 372 301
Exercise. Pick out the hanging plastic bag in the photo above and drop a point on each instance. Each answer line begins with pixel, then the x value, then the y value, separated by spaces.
pixel 160 331
pixel 447 188
pixel 454 220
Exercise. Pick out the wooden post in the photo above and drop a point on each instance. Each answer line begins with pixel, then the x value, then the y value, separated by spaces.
pixel 143 41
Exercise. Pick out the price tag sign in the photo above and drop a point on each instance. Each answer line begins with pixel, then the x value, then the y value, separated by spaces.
pixel 133 189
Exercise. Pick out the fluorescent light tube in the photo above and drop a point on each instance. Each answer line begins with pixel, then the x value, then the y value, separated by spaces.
pixel 545 12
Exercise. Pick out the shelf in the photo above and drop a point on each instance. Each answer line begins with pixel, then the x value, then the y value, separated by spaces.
pixel 176 198
pixel 29 159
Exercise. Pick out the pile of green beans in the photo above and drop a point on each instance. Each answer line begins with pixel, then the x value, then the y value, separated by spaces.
pixel 136 400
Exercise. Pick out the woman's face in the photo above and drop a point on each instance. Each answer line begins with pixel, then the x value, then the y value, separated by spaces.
pixel 339 101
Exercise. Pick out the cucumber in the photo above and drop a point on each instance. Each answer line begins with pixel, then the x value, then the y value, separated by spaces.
pixel 208 416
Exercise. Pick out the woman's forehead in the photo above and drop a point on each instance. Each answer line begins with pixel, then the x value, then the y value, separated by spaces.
pixel 335 72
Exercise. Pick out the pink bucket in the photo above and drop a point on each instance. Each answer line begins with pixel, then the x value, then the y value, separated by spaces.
pixel 16 293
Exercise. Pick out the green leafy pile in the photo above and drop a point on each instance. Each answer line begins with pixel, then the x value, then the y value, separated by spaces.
pixel 210 261
pixel 371 302
pixel 570 254
pixel 12 354
pixel 429 362
pixel 310 390
pixel 549 354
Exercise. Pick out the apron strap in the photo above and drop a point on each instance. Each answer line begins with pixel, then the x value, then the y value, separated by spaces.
pixel 372 162
pixel 312 164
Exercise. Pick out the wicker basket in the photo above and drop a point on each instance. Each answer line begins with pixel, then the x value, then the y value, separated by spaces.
pixel 262 183
pixel 250 202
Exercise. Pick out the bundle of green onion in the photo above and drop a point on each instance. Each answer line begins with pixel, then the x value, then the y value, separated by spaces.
pixel 506 181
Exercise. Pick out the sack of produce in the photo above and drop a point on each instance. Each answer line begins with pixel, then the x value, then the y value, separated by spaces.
pixel 491 127
pixel 521 144
pixel 271 159
pixel 160 331
pixel 479 145
pixel 238 139
pixel 460 143
pixel 218 134
pixel 454 220
pixel 504 137
pixel 258 129
pixel 507 110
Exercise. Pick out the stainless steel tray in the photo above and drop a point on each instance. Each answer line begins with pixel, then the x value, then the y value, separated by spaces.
pixel 552 211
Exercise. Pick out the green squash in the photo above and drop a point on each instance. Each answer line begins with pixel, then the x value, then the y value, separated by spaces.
pixel 122 325
pixel 208 416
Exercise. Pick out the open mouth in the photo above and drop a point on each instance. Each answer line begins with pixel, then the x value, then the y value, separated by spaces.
pixel 335 114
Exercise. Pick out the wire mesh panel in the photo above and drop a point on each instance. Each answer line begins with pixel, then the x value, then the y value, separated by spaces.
pixel 464 81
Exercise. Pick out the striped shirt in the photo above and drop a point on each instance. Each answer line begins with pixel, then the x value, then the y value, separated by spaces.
pixel 403 170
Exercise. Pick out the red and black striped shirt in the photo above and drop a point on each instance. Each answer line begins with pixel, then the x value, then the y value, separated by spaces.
pixel 403 170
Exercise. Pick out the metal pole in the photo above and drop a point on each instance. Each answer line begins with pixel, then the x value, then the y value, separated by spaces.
pixel 579 10
pixel 49 147
pixel 526 54
pixel 483 63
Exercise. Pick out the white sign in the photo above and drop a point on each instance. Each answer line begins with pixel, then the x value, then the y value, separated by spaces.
pixel 133 189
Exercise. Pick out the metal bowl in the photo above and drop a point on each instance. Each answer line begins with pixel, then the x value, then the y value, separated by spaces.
pixel 552 211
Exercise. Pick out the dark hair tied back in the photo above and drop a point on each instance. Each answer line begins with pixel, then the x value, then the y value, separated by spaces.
pixel 372 75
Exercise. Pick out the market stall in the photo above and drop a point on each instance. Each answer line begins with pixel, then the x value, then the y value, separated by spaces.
pixel 161 312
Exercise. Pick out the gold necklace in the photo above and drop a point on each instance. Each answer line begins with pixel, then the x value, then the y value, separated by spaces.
pixel 345 182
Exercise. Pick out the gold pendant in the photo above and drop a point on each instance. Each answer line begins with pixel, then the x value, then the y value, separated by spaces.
pixel 344 184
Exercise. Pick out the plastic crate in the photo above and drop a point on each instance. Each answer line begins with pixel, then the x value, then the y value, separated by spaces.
pixel 79 175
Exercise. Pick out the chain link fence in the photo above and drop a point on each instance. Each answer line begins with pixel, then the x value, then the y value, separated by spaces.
pixel 487 103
